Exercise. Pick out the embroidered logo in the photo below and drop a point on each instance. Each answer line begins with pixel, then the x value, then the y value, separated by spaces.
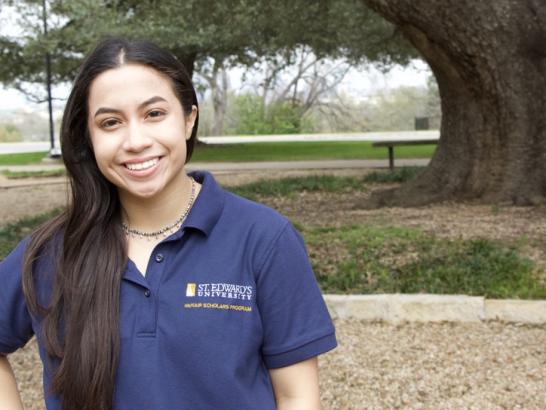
pixel 226 291
pixel 190 290
pixel 220 290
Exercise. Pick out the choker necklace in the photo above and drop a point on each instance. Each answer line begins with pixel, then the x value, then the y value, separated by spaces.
pixel 169 229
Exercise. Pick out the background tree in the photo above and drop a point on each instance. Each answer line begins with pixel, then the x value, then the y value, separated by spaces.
pixel 309 79
pixel 489 59
pixel 277 95
pixel 396 109
pixel 215 77
pixel 280 30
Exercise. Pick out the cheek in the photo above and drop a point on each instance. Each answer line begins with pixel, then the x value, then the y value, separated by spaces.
pixel 104 150
pixel 174 134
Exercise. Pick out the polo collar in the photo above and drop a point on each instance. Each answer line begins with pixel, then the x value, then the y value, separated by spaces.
pixel 208 205
pixel 203 216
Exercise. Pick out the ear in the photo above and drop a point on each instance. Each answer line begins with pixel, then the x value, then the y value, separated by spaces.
pixel 190 121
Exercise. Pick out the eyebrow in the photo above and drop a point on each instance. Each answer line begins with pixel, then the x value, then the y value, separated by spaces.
pixel 149 101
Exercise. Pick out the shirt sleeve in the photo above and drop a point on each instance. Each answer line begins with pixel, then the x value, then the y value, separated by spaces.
pixel 15 320
pixel 296 322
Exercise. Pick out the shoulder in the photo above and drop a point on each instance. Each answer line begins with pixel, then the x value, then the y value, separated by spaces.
pixel 245 212
pixel 219 208
pixel 234 220
pixel 254 229
pixel 42 258
pixel 15 257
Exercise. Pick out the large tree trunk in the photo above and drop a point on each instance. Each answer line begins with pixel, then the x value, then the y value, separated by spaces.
pixel 489 59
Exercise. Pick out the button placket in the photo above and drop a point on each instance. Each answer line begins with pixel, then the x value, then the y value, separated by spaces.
pixel 149 306
pixel 147 317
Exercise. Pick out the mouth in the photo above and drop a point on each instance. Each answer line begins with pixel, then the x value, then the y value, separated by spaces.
pixel 141 166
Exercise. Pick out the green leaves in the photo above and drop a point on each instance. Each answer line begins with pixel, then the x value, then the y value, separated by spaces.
pixel 237 31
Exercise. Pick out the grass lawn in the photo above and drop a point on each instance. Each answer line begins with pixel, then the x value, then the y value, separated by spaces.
pixel 33 174
pixel 384 259
pixel 12 233
pixel 326 183
pixel 27 158
pixel 301 151
pixel 378 258
pixel 271 151
pixel 288 187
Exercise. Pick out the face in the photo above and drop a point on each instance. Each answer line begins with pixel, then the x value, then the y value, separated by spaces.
pixel 138 130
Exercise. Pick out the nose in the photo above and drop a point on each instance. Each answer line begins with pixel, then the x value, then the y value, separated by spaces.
pixel 137 138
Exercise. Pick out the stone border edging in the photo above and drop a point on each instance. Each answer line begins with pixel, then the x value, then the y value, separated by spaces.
pixel 398 308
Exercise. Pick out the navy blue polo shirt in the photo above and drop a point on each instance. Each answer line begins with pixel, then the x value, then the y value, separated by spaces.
pixel 224 299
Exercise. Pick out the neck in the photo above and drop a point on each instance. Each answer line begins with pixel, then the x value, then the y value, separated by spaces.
pixel 153 214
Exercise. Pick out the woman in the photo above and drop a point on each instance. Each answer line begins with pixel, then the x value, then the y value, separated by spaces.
pixel 157 289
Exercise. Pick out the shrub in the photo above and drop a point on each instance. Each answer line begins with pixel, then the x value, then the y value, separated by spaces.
pixel 10 133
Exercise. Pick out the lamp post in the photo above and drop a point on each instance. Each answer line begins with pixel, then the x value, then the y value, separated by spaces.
pixel 54 152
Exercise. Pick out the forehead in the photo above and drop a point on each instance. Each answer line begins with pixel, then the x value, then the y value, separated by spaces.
pixel 129 83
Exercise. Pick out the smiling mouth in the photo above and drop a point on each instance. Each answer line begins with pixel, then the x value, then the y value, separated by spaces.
pixel 141 166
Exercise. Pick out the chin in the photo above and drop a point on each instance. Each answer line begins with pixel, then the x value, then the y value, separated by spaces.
pixel 144 193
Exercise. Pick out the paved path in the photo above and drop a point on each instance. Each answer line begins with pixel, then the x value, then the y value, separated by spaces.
pixel 288 165
pixel 254 166
pixel 217 168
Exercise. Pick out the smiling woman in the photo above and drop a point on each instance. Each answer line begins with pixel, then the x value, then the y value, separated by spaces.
pixel 138 131
pixel 156 288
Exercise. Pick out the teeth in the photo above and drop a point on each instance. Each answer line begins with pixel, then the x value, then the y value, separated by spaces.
pixel 142 165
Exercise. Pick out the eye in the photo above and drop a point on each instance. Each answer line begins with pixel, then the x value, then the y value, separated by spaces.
pixel 155 114
pixel 109 123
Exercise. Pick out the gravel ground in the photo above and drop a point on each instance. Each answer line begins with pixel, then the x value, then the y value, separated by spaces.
pixel 409 366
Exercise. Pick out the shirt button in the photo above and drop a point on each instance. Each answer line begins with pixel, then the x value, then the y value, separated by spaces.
pixel 147 293
pixel 159 258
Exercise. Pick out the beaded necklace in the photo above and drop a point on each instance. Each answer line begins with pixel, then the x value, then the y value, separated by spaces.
pixel 167 230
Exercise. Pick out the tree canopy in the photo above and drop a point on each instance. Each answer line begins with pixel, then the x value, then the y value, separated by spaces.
pixel 232 32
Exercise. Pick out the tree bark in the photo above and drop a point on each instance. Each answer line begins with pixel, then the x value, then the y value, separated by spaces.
pixel 219 89
pixel 489 59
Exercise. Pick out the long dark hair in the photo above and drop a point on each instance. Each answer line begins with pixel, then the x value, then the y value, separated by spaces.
pixel 81 319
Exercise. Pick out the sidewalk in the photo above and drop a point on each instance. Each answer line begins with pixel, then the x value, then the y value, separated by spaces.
pixel 258 165
pixel 216 168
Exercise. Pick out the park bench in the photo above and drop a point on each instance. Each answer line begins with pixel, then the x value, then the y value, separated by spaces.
pixel 391 143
